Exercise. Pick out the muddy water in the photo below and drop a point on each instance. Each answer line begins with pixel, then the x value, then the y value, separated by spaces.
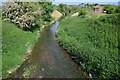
pixel 50 60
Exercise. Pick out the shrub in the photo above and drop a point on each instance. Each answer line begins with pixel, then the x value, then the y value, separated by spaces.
pixel 82 12
pixel 26 14
pixel 110 9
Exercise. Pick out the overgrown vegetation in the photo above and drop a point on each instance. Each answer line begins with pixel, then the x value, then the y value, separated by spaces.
pixel 94 41
pixel 15 42
pixel 89 5
pixel 66 9
pixel 110 9
pixel 48 8
pixel 82 12
pixel 27 15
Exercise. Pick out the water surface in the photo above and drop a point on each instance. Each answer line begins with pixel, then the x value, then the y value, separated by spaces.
pixel 50 60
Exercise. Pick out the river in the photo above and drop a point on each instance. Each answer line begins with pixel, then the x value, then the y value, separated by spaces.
pixel 49 59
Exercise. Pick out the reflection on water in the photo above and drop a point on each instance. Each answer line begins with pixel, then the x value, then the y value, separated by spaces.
pixel 54 28
pixel 51 61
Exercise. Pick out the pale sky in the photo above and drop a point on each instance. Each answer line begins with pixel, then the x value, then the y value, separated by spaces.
pixel 87 0
pixel 71 0
pixel 67 0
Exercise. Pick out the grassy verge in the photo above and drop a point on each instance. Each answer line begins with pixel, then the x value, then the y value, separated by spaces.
pixel 15 43
pixel 94 41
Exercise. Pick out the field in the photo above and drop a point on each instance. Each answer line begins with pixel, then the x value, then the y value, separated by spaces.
pixel 94 41
pixel 15 43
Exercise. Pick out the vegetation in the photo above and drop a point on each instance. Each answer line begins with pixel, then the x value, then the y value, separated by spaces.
pixel 94 41
pixel 15 43
pixel 63 9
pixel 66 9
pixel 110 9
pixel 27 15
pixel 89 5
pixel 82 12
pixel 48 7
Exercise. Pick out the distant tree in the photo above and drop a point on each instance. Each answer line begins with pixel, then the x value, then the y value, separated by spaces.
pixel 111 9
pixel 48 10
pixel 89 5
pixel 82 12
pixel 72 8
pixel 63 8
pixel 95 4
pixel 118 9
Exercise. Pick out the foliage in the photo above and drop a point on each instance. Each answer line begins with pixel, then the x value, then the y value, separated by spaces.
pixel 110 9
pixel 82 12
pixel 89 5
pixel 66 9
pixel 15 42
pixel 63 9
pixel 26 14
pixel 94 41
pixel 72 8
pixel 48 10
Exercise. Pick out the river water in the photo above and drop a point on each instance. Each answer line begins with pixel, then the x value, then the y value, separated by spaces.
pixel 49 59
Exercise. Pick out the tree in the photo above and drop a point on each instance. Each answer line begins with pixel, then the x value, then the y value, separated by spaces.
pixel 111 9
pixel 63 8
pixel 27 14
pixel 89 5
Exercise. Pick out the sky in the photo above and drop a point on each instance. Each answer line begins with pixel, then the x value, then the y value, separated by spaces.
pixel 73 0
pixel 82 1
pixel 76 2
pixel 87 0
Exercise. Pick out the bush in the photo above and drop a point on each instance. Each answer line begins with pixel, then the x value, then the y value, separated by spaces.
pixel 82 12
pixel 110 9
pixel 25 14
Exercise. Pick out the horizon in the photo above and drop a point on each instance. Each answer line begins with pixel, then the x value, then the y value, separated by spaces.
pixel 84 1
pixel 75 3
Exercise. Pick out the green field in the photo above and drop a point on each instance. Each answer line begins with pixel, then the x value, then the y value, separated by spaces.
pixel 94 41
pixel 15 43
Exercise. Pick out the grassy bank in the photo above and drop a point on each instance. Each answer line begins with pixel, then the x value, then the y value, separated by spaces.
pixel 94 41
pixel 15 43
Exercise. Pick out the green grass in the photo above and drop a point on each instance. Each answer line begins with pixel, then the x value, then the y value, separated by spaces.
pixel 15 42
pixel 95 41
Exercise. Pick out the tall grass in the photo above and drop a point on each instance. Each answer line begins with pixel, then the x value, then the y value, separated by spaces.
pixel 15 43
pixel 94 41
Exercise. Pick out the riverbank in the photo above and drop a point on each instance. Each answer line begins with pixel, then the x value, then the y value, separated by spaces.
pixel 24 40
pixel 89 42
pixel 48 60
pixel 16 44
